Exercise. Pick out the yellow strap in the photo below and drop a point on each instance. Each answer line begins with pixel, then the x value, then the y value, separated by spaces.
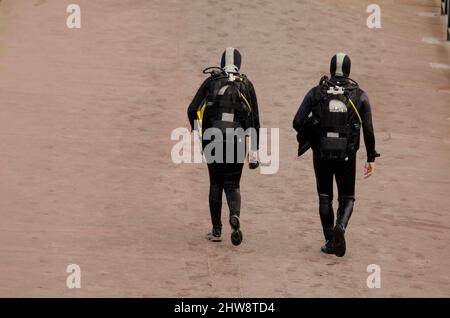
pixel 356 111
pixel 200 112
pixel 246 101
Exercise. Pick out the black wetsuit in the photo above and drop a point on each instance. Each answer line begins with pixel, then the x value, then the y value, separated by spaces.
pixel 343 171
pixel 224 176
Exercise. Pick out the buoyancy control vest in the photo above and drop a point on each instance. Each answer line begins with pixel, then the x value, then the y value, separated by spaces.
pixel 336 121
pixel 226 106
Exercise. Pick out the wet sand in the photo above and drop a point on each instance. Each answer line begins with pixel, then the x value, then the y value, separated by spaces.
pixel 85 169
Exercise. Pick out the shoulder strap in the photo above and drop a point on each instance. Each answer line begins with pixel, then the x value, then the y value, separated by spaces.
pixel 215 85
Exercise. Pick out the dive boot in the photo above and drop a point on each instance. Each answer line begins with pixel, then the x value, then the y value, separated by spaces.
pixel 328 248
pixel 236 233
pixel 215 235
pixel 339 240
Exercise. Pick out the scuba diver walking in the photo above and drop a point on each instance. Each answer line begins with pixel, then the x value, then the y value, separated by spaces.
pixel 329 121
pixel 226 102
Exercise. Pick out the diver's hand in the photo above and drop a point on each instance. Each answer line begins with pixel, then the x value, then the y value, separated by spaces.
pixel 369 169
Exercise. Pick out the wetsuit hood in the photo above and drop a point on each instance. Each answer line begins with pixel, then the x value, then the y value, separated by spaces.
pixel 340 65
pixel 231 60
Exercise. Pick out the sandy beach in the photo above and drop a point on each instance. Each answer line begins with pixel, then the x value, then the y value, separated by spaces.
pixel 86 175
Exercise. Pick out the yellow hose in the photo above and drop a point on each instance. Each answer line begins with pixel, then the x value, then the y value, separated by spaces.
pixel 356 111
pixel 246 101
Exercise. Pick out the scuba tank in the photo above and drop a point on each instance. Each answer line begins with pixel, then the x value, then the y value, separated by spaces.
pixel 335 122
pixel 226 106
pixel 227 109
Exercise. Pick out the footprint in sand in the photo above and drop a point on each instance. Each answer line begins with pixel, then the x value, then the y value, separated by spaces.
pixel 420 256
pixel 170 283
pixel 408 276
pixel 38 3
pixel 198 277
pixel 291 269
pixel 332 263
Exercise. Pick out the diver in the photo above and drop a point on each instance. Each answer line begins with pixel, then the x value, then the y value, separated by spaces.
pixel 225 100
pixel 329 121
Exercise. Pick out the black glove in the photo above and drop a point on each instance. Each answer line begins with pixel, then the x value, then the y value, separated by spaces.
pixel 371 157
pixel 303 147
pixel 253 165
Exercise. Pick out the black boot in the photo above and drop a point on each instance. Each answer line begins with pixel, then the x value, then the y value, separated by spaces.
pixel 328 248
pixel 236 233
pixel 234 203
pixel 327 219
pixel 215 235
pixel 343 217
